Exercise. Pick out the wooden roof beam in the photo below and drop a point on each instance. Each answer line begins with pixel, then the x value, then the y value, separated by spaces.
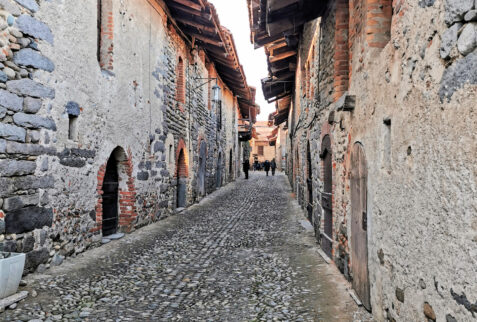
pixel 197 25
pixel 207 40
pixel 189 4
pixel 281 56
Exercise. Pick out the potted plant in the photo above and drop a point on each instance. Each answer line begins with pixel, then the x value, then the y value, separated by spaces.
pixel 11 270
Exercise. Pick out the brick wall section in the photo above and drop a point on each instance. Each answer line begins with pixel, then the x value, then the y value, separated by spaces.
pixel 181 160
pixel 341 52
pixel 106 45
pixel 378 22
pixel 180 84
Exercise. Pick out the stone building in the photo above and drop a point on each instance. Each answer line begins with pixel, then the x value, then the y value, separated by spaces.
pixel 262 143
pixel 111 118
pixel 379 99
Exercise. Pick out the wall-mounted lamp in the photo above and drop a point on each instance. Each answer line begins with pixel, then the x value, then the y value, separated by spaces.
pixel 216 90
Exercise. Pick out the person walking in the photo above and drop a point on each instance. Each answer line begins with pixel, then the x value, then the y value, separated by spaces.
pixel 266 165
pixel 273 165
pixel 246 167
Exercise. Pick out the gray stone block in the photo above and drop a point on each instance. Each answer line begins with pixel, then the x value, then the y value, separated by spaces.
pixel 17 202
pixel 32 121
pixel 10 7
pixel 456 9
pixel 459 73
pixel 10 168
pixel 2 226
pixel 29 4
pixel 31 105
pixel 11 101
pixel 27 219
pixel 35 258
pixel 468 39
pixel 12 132
pixel 471 15
pixel 32 58
pixel 3 146
pixel 29 87
pixel 13 184
pixel 3 77
pixel 159 146
pixel 57 260
pixel 28 244
pixel 3 112
pixel 143 176
pixel 449 40
pixel 28 149
pixel 33 136
pixel 33 27
pixel 72 108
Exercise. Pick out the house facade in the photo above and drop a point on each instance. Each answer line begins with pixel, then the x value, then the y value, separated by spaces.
pixel 113 116
pixel 379 100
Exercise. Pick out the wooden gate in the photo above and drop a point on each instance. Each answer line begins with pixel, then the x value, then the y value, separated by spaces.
pixel 359 225
pixel 326 196
pixel 110 197
pixel 202 168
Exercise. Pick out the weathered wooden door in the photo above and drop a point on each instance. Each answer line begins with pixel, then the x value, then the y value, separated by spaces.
pixel 326 196
pixel 110 197
pixel 359 225
pixel 309 183
pixel 202 168
pixel 181 180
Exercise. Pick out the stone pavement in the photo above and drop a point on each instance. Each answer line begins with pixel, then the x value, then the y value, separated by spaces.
pixel 239 255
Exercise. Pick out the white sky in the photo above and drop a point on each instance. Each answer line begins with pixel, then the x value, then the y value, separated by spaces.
pixel 233 15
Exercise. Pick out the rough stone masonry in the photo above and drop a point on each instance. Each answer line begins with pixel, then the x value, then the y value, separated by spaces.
pixel 104 101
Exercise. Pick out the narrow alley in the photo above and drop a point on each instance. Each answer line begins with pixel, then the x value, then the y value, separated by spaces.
pixel 242 254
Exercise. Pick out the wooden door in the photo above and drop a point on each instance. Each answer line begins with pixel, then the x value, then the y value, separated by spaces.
pixel 110 197
pixel 327 196
pixel 309 183
pixel 181 180
pixel 359 225
pixel 218 177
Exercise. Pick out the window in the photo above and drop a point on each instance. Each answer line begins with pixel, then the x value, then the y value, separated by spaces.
pixel 260 150
pixel 171 154
pixel 73 128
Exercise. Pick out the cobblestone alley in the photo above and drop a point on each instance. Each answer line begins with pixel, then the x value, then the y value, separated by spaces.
pixel 240 255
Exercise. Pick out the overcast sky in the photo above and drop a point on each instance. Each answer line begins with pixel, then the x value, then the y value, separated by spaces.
pixel 233 15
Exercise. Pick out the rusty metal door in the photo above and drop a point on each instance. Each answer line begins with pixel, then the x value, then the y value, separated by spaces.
pixel 110 197
pixel 327 196
pixel 359 225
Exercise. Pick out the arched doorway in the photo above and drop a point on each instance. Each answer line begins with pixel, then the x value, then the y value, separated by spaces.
pixel 202 168
pixel 218 176
pixel 110 188
pixel 359 224
pixel 309 183
pixel 181 180
pixel 326 196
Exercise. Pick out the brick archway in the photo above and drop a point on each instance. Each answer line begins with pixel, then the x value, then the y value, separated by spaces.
pixel 126 191
pixel 182 174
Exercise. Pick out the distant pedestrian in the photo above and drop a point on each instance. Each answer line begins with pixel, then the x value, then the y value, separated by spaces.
pixel 246 167
pixel 266 165
pixel 273 165
pixel 255 166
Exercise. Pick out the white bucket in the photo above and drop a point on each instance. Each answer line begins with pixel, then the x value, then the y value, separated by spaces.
pixel 11 271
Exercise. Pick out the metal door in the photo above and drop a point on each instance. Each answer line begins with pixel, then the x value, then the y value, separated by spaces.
pixel 359 225
pixel 327 196
pixel 202 168
pixel 110 198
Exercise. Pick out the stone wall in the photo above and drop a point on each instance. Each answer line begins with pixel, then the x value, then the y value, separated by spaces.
pixel 65 112
pixel 413 95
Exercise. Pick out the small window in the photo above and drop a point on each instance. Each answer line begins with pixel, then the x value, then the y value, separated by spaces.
pixel 180 86
pixel 260 150
pixel 171 154
pixel 73 127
